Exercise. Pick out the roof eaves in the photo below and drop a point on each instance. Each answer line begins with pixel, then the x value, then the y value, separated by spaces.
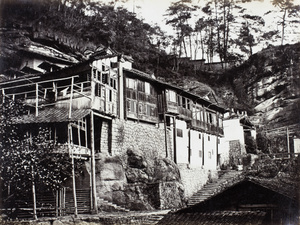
pixel 148 77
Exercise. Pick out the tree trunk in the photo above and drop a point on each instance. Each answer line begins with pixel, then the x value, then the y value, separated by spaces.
pixel 202 45
pixel 33 194
pixel 283 25
pixel 218 30
pixel 190 46
pixel 184 46
pixel 196 46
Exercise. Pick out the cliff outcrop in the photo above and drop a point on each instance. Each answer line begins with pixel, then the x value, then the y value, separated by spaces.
pixel 137 181
pixel 269 83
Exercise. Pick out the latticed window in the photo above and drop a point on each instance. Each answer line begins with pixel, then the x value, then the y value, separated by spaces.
pixel 171 96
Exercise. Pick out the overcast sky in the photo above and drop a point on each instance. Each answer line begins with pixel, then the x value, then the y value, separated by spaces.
pixel 153 10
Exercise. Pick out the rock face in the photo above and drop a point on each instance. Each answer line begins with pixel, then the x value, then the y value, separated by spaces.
pixel 272 84
pixel 138 182
pixel 269 83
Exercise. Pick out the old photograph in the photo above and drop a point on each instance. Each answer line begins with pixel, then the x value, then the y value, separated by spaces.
pixel 143 112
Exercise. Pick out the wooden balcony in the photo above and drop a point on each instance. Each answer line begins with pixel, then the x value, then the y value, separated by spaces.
pixel 172 108
pixel 73 150
pixel 209 128
pixel 184 113
pixel 198 125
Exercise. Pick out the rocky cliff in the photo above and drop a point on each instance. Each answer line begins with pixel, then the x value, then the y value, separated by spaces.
pixel 269 82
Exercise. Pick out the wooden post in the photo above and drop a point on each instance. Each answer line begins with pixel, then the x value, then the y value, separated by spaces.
pixel 121 94
pixel 78 131
pixel 57 205
pixel 3 95
pixel 202 135
pixel 64 201
pixel 73 170
pixel 93 172
pixel 174 139
pixel 85 133
pixel 36 99
pixel 288 141
pixel 33 194
pixel 71 97
pixel 166 137
pixel 74 188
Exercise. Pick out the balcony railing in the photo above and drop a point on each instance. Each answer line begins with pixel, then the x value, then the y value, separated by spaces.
pixel 171 107
pixel 198 125
pixel 76 151
pixel 185 113
pixel 210 128
pixel 282 155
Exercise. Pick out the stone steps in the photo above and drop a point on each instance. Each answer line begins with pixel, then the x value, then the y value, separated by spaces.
pixel 153 219
pixel 109 206
pixel 211 189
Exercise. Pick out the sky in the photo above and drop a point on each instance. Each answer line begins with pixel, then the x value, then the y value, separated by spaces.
pixel 153 11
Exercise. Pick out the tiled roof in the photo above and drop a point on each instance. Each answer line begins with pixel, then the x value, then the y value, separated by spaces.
pixel 52 115
pixel 214 217
pixel 288 189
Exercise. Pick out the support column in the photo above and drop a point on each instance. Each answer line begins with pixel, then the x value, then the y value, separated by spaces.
pixel 71 97
pixel 93 172
pixel 166 137
pixel 36 99
pixel 121 93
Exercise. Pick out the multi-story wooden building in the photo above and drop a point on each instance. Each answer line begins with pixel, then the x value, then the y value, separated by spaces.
pixel 103 105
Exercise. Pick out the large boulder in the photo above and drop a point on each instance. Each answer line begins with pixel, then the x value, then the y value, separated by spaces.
pixel 136 159
pixel 139 181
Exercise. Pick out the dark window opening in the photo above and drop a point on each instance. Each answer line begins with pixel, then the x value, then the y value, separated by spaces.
pixel 110 95
pixel 62 133
pixel 105 78
pixel 179 132
pixel 75 139
pixel 184 102
pixel 141 86
pixel 179 99
pixel 98 90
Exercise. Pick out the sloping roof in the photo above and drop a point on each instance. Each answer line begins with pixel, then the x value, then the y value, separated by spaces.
pixel 214 217
pixel 29 70
pixel 52 115
pixel 169 85
pixel 48 65
pixel 288 189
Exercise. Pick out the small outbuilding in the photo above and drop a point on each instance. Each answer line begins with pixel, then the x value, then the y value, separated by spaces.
pixel 250 201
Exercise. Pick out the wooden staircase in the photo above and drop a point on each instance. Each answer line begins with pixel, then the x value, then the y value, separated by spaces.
pixel 210 189
pixel 83 201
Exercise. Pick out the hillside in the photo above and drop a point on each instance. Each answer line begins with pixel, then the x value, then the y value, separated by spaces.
pixel 269 83
pixel 266 85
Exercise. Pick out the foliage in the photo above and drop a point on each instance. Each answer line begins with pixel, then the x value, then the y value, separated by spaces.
pixel 263 142
pixel 289 10
pixel 27 158
pixel 92 23
pixel 250 144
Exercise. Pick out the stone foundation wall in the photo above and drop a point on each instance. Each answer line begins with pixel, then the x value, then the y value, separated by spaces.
pixel 146 137
pixel 171 195
pixel 193 179
pixel 104 145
